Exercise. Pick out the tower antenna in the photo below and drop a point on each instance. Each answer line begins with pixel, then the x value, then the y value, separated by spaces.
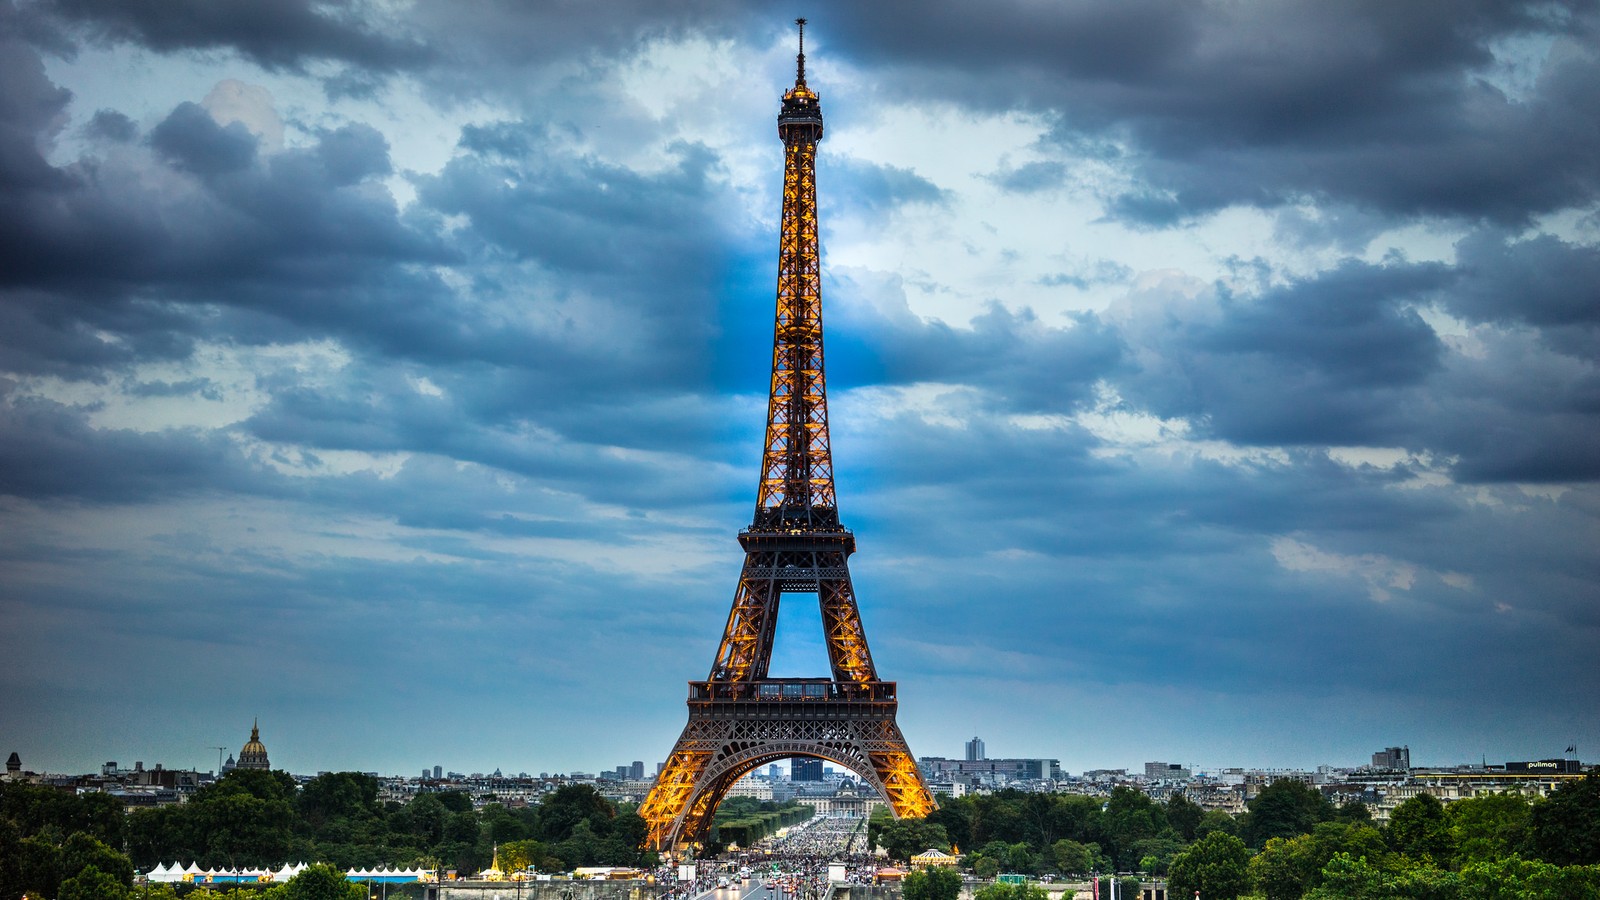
pixel 800 59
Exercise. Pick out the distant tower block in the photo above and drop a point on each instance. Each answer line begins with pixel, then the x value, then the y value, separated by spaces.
pixel 739 719
pixel 805 768
pixel 975 749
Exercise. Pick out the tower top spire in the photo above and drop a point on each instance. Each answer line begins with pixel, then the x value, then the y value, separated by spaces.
pixel 800 58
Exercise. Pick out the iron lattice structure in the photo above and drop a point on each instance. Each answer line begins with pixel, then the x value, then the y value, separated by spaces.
pixel 739 719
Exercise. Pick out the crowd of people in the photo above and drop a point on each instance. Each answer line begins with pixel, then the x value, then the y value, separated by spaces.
pixel 792 864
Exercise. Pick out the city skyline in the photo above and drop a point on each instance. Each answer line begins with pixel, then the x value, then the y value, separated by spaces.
pixel 1208 382
pixel 639 770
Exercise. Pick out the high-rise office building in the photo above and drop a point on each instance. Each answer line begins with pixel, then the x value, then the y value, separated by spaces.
pixel 975 749
pixel 1395 758
pixel 805 768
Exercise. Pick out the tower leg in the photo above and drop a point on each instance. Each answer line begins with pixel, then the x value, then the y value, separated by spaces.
pixel 663 810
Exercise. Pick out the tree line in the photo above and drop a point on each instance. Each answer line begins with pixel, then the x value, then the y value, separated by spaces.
pixel 1290 844
pixel 742 821
pixel 51 839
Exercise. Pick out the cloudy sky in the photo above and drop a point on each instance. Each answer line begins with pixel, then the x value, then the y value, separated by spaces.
pixel 1212 382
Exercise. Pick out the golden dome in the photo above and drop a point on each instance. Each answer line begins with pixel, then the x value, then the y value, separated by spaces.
pixel 254 754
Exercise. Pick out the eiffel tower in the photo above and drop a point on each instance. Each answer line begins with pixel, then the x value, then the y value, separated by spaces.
pixel 739 719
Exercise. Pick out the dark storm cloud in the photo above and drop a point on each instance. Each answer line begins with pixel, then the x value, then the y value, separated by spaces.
pixel 30 111
pixel 1513 411
pixel 48 451
pixel 1378 105
pixel 1322 361
pixel 1541 281
pixel 548 436
pixel 634 262
pixel 583 215
pixel 872 190
pixel 1031 365
pixel 1097 553
pixel 110 125
pixel 125 245
pixel 275 35
pixel 194 141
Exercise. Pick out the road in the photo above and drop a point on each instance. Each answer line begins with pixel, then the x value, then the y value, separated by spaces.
pixel 745 890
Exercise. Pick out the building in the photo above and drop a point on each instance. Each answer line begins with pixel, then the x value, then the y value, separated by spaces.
pixel 805 768
pixel 844 798
pixel 749 786
pixel 1546 766
pixel 254 754
pixel 1397 759
pixel 1161 771
pixel 636 771
pixel 974 749
pixel 938 768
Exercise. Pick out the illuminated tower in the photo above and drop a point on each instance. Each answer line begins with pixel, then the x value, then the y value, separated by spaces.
pixel 739 719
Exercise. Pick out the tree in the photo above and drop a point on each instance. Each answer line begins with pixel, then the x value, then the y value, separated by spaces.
pixel 257 783
pixel 1489 826
pixel 39 867
pixel 1130 816
pixel 93 884
pixel 460 801
pixel 500 826
pixel 321 882
pixel 82 852
pixel 1156 854
pixel 1515 878
pixel 1216 866
pixel 1564 828
pixel 423 817
pixel 1284 808
pixel 1417 828
pixel 904 838
pixel 954 818
pixel 931 883
pixel 1073 858
pixel 1288 867
pixel 1010 892
pixel 1285 868
pixel 1348 878
pixel 986 867
pixel 11 884
pixel 568 805
pixel 1184 816
pixel 1354 811
pixel 337 795
pixel 1216 820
